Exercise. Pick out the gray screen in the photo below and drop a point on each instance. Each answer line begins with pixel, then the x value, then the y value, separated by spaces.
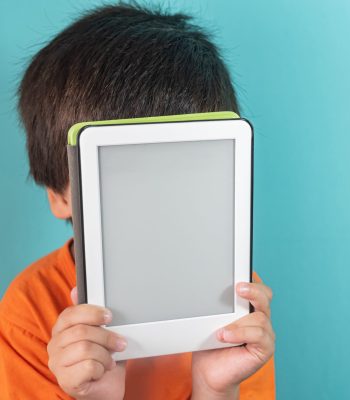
pixel 167 229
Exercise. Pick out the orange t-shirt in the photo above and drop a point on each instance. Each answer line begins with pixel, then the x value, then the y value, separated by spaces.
pixel 30 308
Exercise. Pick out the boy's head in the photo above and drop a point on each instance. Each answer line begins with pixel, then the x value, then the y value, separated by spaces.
pixel 118 61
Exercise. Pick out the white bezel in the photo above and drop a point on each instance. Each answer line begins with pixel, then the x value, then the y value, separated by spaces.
pixel 180 335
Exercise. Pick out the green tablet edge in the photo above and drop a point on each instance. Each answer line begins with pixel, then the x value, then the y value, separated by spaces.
pixel 76 128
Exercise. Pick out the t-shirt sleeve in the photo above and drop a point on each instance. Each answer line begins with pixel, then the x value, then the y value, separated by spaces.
pixel 23 366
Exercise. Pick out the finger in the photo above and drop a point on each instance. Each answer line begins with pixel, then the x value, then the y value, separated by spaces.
pixel 82 314
pixel 256 294
pixel 256 318
pixel 248 335
pixel 266 288
pixel 74 295
pixel 81 351
pixel 110 340
pixel 76 376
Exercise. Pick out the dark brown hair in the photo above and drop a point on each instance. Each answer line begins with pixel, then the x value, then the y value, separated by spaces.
pixel 117 61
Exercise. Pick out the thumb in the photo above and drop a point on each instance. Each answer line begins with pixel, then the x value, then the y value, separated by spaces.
pixel 74 296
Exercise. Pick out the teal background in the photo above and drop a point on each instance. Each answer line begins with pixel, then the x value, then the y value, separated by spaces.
pixel 290 61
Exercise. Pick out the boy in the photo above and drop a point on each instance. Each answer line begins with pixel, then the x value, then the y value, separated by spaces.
pixel 116 62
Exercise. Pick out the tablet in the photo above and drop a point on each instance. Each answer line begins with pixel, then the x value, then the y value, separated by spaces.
pixel 162 226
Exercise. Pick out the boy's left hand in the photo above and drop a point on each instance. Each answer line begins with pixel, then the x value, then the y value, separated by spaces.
pixel 216 374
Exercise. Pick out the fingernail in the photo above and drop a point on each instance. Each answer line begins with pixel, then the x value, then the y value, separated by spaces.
pixel 120 344
pixel 226 335
pixel 243 288
pixel 107 316
pixel 220 334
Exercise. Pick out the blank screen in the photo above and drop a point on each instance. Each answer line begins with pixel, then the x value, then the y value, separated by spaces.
pixel 168 229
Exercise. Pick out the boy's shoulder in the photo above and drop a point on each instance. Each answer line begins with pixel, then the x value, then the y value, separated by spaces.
pixel 39 293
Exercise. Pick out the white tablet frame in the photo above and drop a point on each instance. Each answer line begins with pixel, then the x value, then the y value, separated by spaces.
pixel 179 335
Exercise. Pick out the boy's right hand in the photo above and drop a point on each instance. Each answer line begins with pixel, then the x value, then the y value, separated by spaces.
pixel 80 353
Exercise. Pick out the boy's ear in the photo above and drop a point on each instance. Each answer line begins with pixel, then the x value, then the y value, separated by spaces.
pixel 60 203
